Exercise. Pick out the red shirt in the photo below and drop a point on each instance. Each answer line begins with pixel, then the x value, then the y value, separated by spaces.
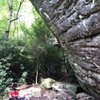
pixel 14 93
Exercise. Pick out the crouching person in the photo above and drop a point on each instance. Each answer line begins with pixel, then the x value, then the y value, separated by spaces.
pixel 14 94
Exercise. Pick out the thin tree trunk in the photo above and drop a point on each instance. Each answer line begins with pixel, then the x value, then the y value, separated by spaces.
pixel 37 67
pixel 6 34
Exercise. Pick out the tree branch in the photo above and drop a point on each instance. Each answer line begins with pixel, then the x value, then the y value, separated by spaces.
pixel 19 7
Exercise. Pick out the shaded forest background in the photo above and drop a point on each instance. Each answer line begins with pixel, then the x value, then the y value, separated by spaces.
pixel 28 49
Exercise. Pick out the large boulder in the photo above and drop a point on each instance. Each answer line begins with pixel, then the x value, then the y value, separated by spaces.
pixel 76 25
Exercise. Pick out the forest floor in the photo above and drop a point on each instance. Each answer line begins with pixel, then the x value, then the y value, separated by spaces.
pixel 35 92
pixel 56 91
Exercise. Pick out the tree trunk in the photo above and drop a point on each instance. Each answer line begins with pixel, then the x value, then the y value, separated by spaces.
pixel 37 67
pixel 10 17
pixel 76 24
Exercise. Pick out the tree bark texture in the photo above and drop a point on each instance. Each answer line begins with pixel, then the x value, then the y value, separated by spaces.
pixel 76 25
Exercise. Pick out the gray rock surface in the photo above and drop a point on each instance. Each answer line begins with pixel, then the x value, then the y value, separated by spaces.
pixel 61 95
pixel 63 85
pixel 84 96
pixel 76 25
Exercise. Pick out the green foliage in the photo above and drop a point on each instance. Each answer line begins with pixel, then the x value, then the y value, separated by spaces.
pixel 43 42
pixel 14 63
pixel 51 63
pixel 41 32
pixel 3 16
pixel 2 25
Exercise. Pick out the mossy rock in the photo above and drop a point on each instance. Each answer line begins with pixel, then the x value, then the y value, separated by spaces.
pixel 47 83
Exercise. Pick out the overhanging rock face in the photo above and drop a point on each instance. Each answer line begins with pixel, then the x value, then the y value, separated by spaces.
pixel 76 25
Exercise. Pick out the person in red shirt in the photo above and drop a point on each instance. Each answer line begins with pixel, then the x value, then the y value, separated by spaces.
pixel 13 94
